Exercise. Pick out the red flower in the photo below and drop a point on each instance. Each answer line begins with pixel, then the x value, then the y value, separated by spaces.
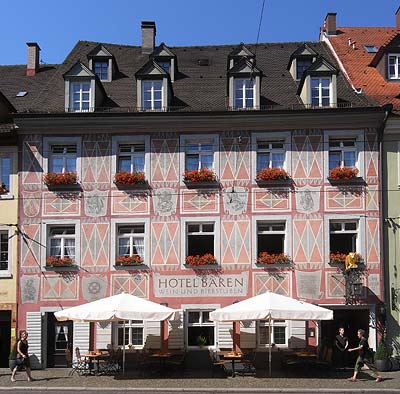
pixel 129 178
pixel 129 260
pixel 273 258
pixel 272 174
pixel 206 259
pixel 340 258
pixel 202 175
pixel 3 189
pixel 60 178
pixel 343 173
pixel 53 261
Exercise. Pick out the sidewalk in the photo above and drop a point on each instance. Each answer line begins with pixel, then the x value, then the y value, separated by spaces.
pixel 202 381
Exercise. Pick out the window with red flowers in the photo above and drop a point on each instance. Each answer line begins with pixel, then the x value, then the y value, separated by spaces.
pixel 61 241
pixel 271 237
pixel 131 244
pixel 62 158
pixel 342 153
pixel 343 236
pixel 131 157
pixel 270 154
pixel 200 239
pixel 199 155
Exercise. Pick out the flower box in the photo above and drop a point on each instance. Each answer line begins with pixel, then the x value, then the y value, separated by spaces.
pixel 60 262
pixel 273 259
pixel 203 178
pixel 3 189
pixel 344 175
pixel 131 180
pixel 61 180
pixel 272 174
pixel 338 259
pixel 129 261
pixel 205 261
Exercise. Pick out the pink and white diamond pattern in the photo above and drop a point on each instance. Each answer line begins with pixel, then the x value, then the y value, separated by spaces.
pixel 235 238
pixel 165 160
pixel 277 283
pixel 308 241
pixel 96 160
pixel 307 156
pixel 30 245
pixel 165 243
pixel 235 159
pixel 59 288
pixel 137 285
pixel 32 162
pixel 95 244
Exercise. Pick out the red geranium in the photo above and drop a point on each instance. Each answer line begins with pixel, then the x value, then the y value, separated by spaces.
pixel 129 178
pixel 343 173
pixel 60 178
pixel 3 189
pixel 273 258
pixel 340 258
pixel 202 175
pixel 206 259
pixel 272 174
pixel 53 261
pixel 129 260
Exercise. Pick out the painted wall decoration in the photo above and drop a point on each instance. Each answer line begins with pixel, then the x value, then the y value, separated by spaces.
pixel 308 241
pixel 267 200
pixel 371 156
pixel 235 200
pixel 235 158
pixel 165 243
pixel 308 284
pixel 31 203
pixel 372 198
pixel 126 203
pixel 165 200
pixel 57 287
pixel 94 287
pixel 277 282
pixel 29 285
pixel 138 285
pixel 96 203
pixel 336 285
pixel 165 159
pixel 30 246
pixel 372 236
pixel 344 199
pixel 235 242
pixel 59 203
pixel 199 202
pixel 31 161
pixel 307 199
pixel 96 149
pixel 374 284
pixel 95 245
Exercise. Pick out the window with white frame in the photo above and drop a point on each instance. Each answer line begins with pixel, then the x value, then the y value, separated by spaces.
pixel 134 333
pixel 4 247
pixel 343 236
pixel 101 70
pixel 61 241
pixel 80 96
pixel 394 66
pixel 5 173
pixel 131 240
pixel 152 92
pixel 244 92
pixel 302 65
pixel 270 154
pixel 199 154
pixel 165 65
pixel 200 238
pixel 271 237
pixel 342 152
pixel 200 329
pixel 320 92
pixel 62 158
pixel 131 157
pixel 277 335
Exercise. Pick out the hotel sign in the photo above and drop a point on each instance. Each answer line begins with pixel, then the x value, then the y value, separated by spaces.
pixel 201 285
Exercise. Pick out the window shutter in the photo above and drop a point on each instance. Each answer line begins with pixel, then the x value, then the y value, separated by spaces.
pixel 81 338
pixel 34 328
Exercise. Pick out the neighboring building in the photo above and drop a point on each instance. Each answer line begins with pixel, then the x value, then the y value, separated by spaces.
pixel 8 230
pixel 232 110
pixel 370 58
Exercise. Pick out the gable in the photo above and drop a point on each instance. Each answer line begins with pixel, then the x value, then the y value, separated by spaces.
pixel 99 51
pixel 162 51
pixel 79 70
pixel 321 65
pixel 244 66
pixel 241 51
pixel 151 68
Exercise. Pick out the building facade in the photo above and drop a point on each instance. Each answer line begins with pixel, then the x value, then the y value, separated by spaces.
pixel 153 170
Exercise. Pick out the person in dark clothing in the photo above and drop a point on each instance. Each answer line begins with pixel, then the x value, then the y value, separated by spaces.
pixel 341 345
pixel 19 356
pixel 364 357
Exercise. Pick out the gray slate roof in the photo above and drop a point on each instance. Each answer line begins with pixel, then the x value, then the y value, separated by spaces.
pixel 198 88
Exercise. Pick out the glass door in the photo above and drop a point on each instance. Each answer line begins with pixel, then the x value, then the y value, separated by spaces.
pixel 200 329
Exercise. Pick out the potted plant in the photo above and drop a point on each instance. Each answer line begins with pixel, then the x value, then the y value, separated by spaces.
pixel 204 260
pixel 60 178
pixel 204 177
pixel 56 261
pixel 272 174
pixel 339 258
pixel 124 178
pixel 343 174
pixel 265 258
pixel 382 355
pixel 201 340
pixel 129 260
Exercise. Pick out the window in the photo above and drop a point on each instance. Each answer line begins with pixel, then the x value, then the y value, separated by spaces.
pixel 131 157
pixel 152 92
pixel 271 237
pixel 199 155
pixel 343 236
pixel 61 336
pixel 5 172
pixel 320 92
pixel 393 64
pixel 270 154
pixel 80 96
pixel 371 48
pixel 62 158
pixel 200 326
pixel 278 334
pixel 62 242
pixel 165 65
pixel 244 96
pixel 301 66
pixel 101 70
pixel 342 153
pixel 4 251
pixel 200 238
pixel 133 333
pixel 131 240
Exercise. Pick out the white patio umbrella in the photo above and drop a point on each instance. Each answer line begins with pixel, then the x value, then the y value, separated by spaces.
pixel 118 307
pixel 270 306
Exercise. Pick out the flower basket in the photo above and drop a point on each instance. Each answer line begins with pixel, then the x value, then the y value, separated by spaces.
pixel 126 178
pixel 198 261
pixel 265 258
pixel 343 173
pixel 54 262
pixel 272 174
pixel 202 175
pixel 129 260
pixel 3 189
pixel 338 258
pixel 54 179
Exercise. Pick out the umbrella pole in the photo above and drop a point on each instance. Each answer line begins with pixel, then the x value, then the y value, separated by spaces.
pixel 123 351
pixel 269 356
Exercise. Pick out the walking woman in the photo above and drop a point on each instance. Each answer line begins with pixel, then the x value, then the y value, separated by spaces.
pixel 19 356
pixel 364 357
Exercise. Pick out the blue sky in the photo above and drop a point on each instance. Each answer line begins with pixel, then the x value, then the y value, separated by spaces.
pixel 57 25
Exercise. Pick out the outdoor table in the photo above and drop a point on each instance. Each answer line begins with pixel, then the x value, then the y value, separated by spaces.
pixel 232 356
pixel 96 356
pixel 162 356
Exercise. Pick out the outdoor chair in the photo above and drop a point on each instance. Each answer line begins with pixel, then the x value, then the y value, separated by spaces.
pixel 177 360
pixel 246 366
pixel 217 363
pixel 80 366
pixel 112 364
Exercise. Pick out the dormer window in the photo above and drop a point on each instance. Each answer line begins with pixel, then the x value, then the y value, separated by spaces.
pixel 152 95
pixel 320 92
pixel 80 96
pixel 101 70
pixel 245 90
pixel 102 63
pixel 166 66
pixel 302 65
pixel 300 60
pixel 394 66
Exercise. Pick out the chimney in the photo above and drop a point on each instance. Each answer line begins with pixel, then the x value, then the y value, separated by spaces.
pixel 330 23
pixel 148 36
pixel 398 18
pixel 32 66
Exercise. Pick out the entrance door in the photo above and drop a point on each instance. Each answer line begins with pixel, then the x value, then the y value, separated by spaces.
pixel 59 343
pixel 5 337
pixel 200 329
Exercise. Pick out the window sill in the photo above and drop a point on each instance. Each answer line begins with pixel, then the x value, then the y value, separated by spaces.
pixel 62 268
pixel 133 186
pixel 6 196
pixel 67 187
pixel 357 180
pixel 287 183
pixel 202 185
pixel 6 275
pixel 128 267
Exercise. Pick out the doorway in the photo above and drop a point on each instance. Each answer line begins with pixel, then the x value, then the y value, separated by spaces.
pixel 5 337
pixel 59 342
pixel 200 330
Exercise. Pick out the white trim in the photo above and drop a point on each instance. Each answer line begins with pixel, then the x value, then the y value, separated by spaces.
pixel 337 134
pixel 8 273
pixel 201 219
pixel 114 238
pixel 272 136
pixel 288 332
pixel 47 223
pixel 10 153
pixel 271 218
pixel 130 139
pixel 47 141
pixel 397 67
